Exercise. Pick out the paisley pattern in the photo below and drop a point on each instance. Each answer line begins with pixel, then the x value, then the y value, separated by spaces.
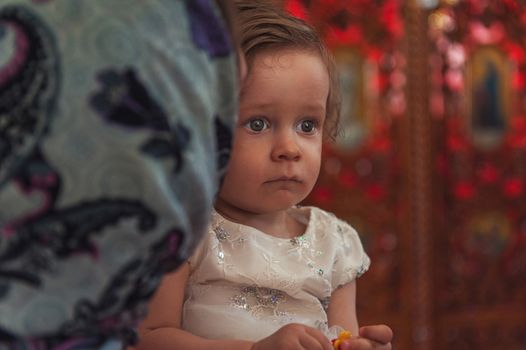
pixel 114 136
pixel 29 65
pixel 206 29
pixel 124 100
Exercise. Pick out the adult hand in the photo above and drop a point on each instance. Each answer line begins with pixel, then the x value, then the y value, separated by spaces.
pixel 294 337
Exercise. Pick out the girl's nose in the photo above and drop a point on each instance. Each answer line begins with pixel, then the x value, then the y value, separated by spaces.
pixel 285 147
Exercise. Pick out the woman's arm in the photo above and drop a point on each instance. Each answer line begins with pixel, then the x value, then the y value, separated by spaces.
pixel 161 330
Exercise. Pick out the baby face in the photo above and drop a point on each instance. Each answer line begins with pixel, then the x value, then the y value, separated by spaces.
pixel 276 156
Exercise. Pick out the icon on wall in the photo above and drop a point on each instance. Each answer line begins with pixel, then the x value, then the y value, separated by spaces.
pixel 489 96
pixel 352 70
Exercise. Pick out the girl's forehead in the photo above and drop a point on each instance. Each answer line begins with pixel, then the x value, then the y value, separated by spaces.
pixel 280 55
pixel 270 62
pixel 291 75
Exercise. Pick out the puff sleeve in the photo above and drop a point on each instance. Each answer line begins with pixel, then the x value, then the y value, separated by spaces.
pixel 351 260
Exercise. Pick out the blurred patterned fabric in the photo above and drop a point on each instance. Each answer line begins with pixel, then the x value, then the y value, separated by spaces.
pixel 115 128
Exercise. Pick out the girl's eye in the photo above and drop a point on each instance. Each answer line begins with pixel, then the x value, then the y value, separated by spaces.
pixel 307 126
pixel 257 124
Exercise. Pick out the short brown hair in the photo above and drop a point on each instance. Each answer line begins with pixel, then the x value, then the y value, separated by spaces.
pixel 263 25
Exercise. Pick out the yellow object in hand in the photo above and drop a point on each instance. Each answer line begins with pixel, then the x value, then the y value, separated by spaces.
pixel 343 336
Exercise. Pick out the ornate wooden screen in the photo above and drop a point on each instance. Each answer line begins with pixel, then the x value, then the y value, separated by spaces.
pixel 361 178
pixel 477 104
pixel 432 167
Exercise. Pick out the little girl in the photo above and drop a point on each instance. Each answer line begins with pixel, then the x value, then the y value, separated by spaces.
pixel 271 275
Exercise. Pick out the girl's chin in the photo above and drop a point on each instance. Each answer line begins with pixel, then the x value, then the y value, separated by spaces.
pixel 281 203
pixel 263 203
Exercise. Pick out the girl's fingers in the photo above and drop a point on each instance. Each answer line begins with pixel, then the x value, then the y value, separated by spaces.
pixel 363 344
pixel 320 338
pixel 309 343
pixel 356 344
pixel 379 333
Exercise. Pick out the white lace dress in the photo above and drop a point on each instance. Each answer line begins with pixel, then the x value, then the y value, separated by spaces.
pixel 245 284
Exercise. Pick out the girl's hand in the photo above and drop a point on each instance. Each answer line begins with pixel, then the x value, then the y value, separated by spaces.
pixel 376 337
pixel 294 337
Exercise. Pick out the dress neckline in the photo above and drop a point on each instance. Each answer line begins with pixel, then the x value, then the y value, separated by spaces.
pixel 304 215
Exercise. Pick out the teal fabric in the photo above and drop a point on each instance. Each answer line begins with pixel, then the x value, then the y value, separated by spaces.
pixel 115 129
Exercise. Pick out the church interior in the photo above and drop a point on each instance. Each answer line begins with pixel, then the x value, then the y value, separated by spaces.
pixel 431 164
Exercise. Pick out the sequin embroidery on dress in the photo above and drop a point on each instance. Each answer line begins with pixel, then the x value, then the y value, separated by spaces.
pixel 257 299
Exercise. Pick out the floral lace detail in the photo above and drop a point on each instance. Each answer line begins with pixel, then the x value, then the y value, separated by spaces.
pixel 303 248
pixel 259 282
pixel 256 299
pixel 223 236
